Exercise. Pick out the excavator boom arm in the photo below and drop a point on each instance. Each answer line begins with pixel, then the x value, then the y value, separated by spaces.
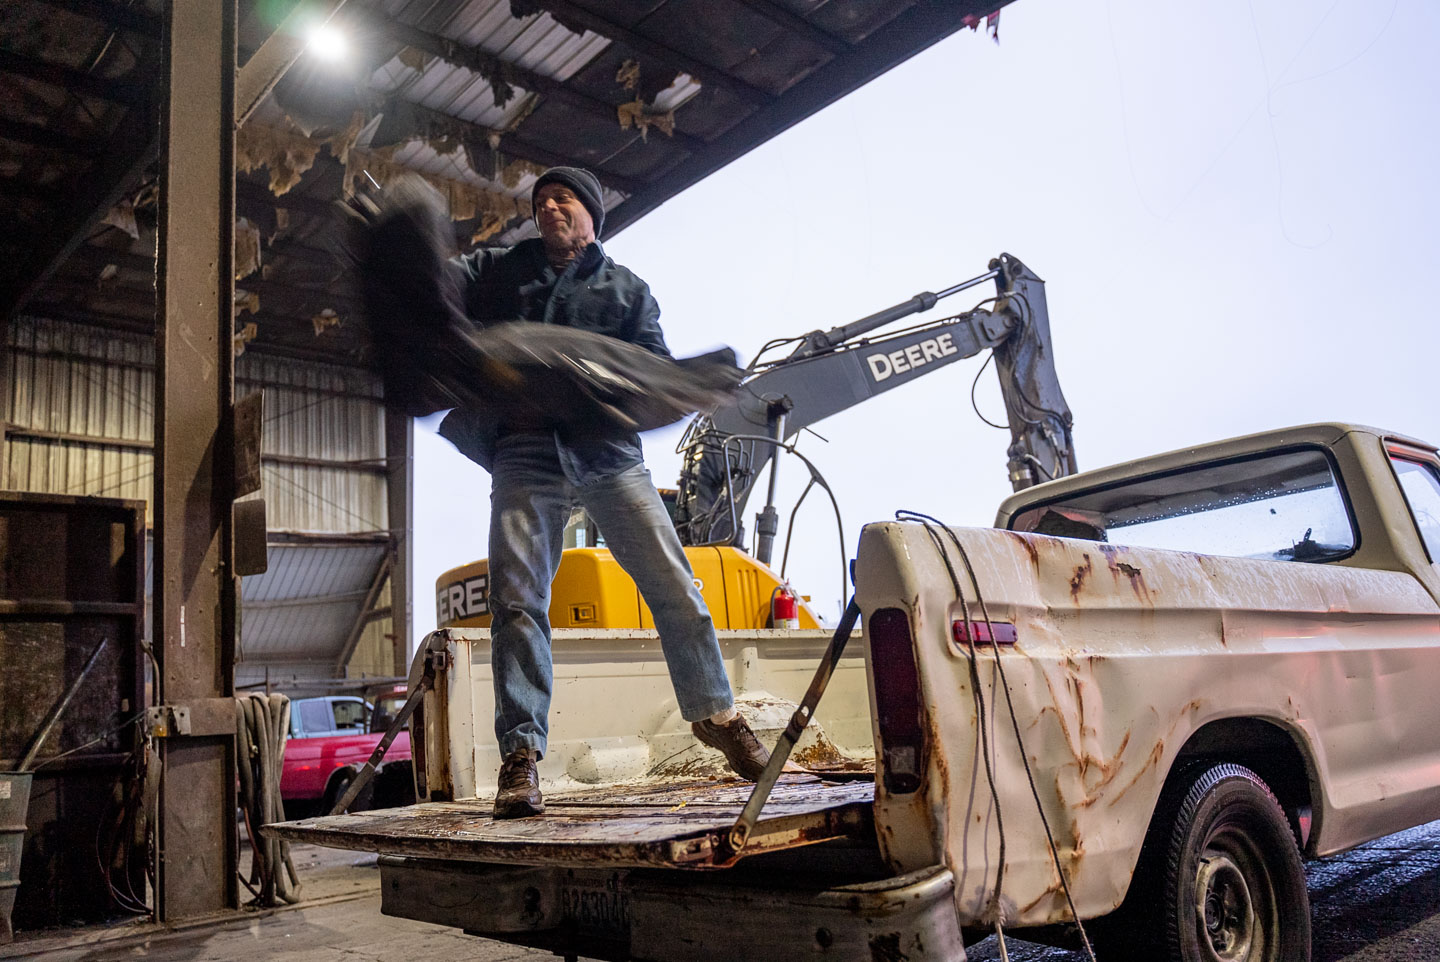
pixel 835 370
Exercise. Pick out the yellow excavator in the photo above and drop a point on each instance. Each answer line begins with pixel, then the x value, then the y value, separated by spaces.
pixel 725 451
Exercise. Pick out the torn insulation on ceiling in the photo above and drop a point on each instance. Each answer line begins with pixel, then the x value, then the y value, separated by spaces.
pixel 288 153
pixel 634 114
pixel 638 113
pixel 244 336
pixel 247 248
pixel 324 320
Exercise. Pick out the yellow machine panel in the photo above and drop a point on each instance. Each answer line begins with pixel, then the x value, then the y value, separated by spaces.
pixel 592 591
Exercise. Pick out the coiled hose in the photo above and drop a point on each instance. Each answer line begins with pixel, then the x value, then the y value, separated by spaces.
pixel 261 725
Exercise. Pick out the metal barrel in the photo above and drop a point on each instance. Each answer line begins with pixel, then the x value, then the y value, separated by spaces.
pixel 14 800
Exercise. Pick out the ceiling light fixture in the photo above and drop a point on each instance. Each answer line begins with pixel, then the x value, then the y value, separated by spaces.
pixel 327 43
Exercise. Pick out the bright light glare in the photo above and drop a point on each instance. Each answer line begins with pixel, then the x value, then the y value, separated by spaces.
pixel 327 43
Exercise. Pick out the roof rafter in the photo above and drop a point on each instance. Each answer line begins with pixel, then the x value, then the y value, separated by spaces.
pixel 705 73
pixel 96 257
pixel 14 187
pixel 519 148
pixel 36 135
pixel 55 310
pixel 490 67
pixel 125 157
pixel 791 23
pixel 126 92
pixel 133 18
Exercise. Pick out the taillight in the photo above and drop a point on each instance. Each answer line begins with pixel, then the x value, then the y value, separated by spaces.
pixel 897 699
pixel 985 633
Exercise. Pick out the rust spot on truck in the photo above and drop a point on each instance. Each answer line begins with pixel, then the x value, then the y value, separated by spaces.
pixel 1054 706
pixel 938 761
pixel 1121 569
pixel 1052 891
pixel 1029 547
pixel 1077 580
pixel 1153 761
pixel 886 948
pixel 1108 768
pixel 823 755
pixel 1158 752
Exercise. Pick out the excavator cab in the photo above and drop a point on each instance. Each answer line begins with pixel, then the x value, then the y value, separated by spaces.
pixel 591 590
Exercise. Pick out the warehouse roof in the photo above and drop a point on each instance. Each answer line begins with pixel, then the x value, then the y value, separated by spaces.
pixel 477 95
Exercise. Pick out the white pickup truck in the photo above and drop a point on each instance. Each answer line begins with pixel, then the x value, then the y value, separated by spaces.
pixel 1140 700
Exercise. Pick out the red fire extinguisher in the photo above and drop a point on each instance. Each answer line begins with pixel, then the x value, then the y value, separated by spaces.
pixel 784 607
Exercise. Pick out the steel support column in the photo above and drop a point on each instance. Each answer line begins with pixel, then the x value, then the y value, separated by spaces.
pixel 194 587
pixel 399 475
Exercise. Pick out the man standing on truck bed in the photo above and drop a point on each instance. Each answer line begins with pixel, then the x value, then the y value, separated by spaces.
pixel 538 474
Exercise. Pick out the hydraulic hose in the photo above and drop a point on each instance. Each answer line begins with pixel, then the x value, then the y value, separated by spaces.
pixel 261 725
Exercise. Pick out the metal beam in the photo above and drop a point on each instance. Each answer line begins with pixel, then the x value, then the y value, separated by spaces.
pixel 195 588
pixel 489 66
pixel 129 151
pixel 103 321
pixel 134 18
pixel 251 193
pixel 37 136
pixel 277 55
pixel 705 73
pixel 919 27
pixel 130 444
pixel 97 257
pixel 797 25
pixel 74 81
pixel 330 464
pixel 100 320
pixel 525 150
pixel 14 187
pixel 357 628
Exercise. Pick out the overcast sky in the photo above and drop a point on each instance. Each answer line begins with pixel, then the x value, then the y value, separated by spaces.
pixel 1233 206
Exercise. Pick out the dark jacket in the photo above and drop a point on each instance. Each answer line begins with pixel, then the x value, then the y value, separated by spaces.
pixel 505 285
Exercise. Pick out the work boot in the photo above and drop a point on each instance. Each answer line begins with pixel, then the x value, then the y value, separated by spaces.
pixel 734 739
pixel 519 793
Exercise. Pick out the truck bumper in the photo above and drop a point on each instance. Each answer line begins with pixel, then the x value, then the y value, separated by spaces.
pixel 681 917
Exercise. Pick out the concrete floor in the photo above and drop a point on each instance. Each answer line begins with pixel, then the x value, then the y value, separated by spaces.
pixel 1379 903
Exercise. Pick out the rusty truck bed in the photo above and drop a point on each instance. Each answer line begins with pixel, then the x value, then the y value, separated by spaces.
pixel 666 825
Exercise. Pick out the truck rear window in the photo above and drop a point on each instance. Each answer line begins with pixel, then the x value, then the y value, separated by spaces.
pixel 1422 494
pixel 1281 507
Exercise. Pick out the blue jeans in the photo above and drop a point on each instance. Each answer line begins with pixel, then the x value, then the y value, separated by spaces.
pixel 531 500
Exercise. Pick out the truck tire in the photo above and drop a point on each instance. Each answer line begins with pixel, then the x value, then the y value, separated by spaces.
pixel 1220 878
pixel 339 785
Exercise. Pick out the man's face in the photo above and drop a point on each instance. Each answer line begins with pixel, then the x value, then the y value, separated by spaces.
pixel 564 222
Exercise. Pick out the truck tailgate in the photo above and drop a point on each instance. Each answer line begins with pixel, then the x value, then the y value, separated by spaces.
pixel 651 825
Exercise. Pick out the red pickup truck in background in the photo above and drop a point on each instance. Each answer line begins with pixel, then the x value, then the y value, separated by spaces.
pixel 330 739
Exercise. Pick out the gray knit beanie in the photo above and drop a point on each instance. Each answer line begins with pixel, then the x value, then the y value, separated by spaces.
pixel 585 185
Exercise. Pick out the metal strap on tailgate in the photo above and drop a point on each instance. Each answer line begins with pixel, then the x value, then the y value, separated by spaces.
pixel 739 833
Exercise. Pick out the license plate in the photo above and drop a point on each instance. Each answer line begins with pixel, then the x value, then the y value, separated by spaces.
pixel 597 905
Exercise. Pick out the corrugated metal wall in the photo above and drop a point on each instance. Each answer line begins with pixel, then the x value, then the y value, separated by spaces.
pixel 324 445
pixel 81 417
pixel 69 387
pixel 80 410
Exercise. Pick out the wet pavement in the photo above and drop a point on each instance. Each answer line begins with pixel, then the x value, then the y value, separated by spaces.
pixel 1377 903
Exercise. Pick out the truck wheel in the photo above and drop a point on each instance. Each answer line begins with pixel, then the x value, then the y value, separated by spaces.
pixel 1232 886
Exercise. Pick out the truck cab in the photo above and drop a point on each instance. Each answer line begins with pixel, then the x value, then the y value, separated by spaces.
pixel 325 715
